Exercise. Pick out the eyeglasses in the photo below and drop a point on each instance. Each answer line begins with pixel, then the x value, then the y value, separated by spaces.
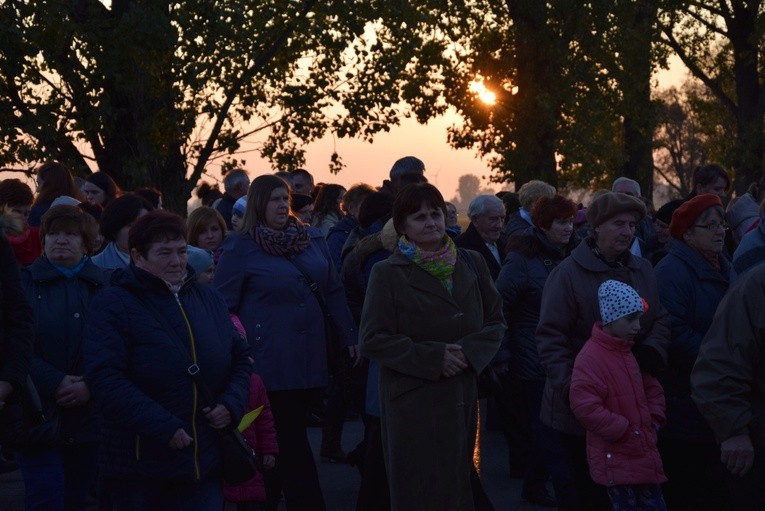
pixel 714 226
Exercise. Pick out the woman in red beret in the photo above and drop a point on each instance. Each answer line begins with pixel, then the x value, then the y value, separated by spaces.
pixel 693 278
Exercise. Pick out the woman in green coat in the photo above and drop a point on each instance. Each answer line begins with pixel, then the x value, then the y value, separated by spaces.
pixel 433 320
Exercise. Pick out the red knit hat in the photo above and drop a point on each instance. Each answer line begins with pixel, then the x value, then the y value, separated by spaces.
pixel 686 215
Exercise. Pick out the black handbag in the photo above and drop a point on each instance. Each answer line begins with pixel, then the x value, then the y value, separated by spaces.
pixel 25 422
pixel 331 335
pixel 238 459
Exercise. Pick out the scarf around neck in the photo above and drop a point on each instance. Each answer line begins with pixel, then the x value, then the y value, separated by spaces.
pixel 292 240
pixel 439 263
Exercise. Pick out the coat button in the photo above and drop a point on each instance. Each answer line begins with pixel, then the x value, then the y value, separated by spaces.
pixel 257 338
pixel 608 455
pixel 76 314
pixel 302 331
pixel 302 305
pixel 257 326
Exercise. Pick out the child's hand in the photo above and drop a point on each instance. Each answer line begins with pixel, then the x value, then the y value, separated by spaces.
pixel 269 461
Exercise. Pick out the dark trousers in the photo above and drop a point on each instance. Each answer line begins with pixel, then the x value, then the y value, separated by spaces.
pixel 157 495
pixel 295 474
pixel 696 476
pixel 344 394
pixel 373 492
pixel 592 497
pixel 549 448
pixel 58 479
pixel 512 417
pixel 748 492
pixel 636 497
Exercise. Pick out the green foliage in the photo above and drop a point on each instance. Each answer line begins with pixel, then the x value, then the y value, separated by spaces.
pixel 154 91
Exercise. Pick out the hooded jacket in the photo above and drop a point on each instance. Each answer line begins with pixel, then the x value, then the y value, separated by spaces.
pixel 60 308
pixel 138 375
pixel 621 408
pixel 570 308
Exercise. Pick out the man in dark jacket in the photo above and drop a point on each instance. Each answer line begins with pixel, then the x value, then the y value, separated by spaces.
pixel 486 213
pixel 160 447
pixel 236 183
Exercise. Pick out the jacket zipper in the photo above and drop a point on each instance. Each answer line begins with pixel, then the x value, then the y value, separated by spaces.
pixel 197 471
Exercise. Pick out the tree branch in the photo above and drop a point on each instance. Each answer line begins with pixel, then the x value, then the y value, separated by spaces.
pixel 695 69
pixel 233 92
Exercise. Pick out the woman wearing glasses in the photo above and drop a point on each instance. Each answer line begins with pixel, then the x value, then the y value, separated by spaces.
pixel 692 277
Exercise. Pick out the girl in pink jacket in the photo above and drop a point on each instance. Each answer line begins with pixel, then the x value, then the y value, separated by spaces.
pixel 620 407
pixel 261 435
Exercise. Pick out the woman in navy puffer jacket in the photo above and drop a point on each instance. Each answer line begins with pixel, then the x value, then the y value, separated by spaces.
pixel 692 280
pixel 159 448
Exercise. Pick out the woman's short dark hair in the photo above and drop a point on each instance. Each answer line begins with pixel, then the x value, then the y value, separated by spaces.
pixel 411 198
pixel 105 182
pixel 257 199
pixel 123 211
pixel 546 210
pixel 155 227
pixel 56 181
pixel 198 220
pixel 708 174
pixel 14 193
pixel 70 219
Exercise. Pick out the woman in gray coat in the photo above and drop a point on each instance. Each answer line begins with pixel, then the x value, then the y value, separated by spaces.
pixel 433 320
pixel 570 308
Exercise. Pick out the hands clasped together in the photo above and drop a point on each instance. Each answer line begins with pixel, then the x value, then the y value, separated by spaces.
pixel 218 417
pixel 72 392
pixel 454 361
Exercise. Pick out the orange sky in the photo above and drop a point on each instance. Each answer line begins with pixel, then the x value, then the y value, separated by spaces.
pixel 370 163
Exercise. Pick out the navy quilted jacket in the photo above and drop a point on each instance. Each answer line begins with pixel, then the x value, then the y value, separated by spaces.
pixel 138 376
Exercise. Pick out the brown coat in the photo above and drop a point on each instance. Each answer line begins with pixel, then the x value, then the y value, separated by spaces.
pixel 570 308
pixel 428 421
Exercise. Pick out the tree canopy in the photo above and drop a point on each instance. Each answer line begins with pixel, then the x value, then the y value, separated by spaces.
pixel 155 91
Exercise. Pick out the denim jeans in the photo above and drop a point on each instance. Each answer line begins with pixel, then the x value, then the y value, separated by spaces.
pixel 158 495
pixel 636 497
pixel 59 478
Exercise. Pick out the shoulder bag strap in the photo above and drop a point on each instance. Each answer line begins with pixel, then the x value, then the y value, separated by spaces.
pixel 312 285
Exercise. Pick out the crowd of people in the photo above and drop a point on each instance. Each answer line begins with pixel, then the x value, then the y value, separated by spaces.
pixel 618 346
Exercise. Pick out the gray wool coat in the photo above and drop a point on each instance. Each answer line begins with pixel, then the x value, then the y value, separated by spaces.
pixel 428 421
pixel 569 309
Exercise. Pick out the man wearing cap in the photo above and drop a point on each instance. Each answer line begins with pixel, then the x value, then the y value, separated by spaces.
pixel 570 308
pixel 402 166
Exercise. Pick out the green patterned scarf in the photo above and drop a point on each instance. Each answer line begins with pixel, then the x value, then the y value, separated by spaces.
pixel 438 263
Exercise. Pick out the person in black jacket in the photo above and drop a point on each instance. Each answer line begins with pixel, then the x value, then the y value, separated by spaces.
pixel 15 329
pixel 59 463
pixel 531 256
pixel 159 449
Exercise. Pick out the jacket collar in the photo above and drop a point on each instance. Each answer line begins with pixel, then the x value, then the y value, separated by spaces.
pixel 136 279
pixel 586 258
pixel 43 271
pixel 697 264
pixel 423 281
pixel 610 343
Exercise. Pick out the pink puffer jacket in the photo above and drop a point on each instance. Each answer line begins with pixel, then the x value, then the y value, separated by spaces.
pixel 621 409
pixel 261 436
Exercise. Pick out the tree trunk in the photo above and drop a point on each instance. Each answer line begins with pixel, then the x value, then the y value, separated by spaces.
pixel 637 111
pixel 750 107
pixel 536 107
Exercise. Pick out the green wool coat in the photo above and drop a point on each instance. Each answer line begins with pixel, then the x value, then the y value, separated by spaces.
pixel 428 421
